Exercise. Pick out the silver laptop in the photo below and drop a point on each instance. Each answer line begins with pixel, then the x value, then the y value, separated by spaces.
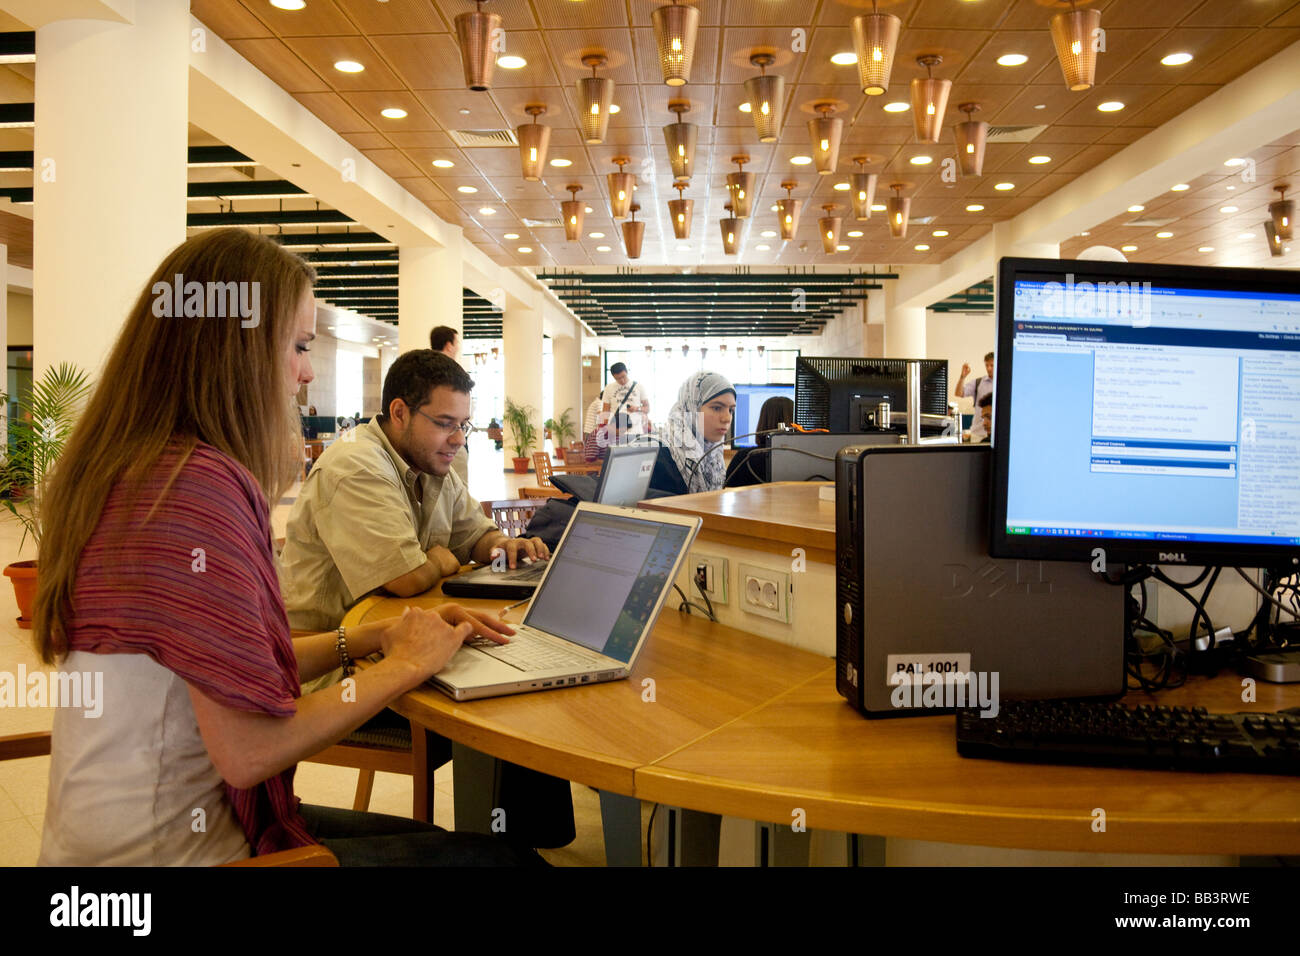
pixel 810 456
pixel 625 477
pixel 593 610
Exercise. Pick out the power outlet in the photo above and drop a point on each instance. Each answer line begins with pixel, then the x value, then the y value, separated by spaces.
pixel 764 591
pixel 715 576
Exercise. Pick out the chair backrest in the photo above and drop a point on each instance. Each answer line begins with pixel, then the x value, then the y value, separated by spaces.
pixel 538 492
pixel 511 515
pixel 542 464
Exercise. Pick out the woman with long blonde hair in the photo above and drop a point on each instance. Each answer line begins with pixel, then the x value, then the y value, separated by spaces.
pixel 157 572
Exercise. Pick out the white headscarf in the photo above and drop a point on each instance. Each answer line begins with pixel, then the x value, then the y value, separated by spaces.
pixel 702 466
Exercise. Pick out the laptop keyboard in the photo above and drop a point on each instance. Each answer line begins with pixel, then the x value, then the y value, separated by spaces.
pixel 534 655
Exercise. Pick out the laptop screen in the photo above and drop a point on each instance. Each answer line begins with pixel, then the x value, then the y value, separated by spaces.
pixel 606 580
pixel 626 476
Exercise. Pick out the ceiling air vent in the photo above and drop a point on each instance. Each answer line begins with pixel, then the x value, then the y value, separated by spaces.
pixel 542 223
pixel 1014 134
pixel 470 138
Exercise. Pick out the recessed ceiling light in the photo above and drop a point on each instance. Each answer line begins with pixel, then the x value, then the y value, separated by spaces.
pixel 878 207
pixel 1040 106
pixel 602 248
pixel 586 209
pixel 762 247
pixel 800 160
pixel 466 189
pixel 921 247
pixel 560 162
pixel 487 210
pixel 289 4
pixel 1176 59
pixel 393 112
pixel 1245 235
pixel 939 233
pixel 595 235
pixel 773 207
pixel 1128 248
pixel 1235 161
pixel 841 248
pixel 1110 106
pixel 511 62
pixel 1179 187
pixel 463 111
pixel 768 234
pixel 1227 209
pixel 348 66
pixel 745 108
pixel 921 160
pixel 1039 160
pixel 1012 59
pixel 1136 207
pixel 975 207
pixel 896 107
pixel 1164 235
pixel 855 234
pixel 525 249
pixel 847 58
pixel 1205 249
pixel 511 235
pixel 841 186
pixel 614 108
pixel 443 163
pixel 1085 233
pixel 1231 188
pixel 1004 186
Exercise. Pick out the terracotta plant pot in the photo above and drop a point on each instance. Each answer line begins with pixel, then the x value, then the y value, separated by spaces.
pixel 521 466
pixel 559 454
pixel 23 575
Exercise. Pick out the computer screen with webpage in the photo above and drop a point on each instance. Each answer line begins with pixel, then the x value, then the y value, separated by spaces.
pixel 1153 411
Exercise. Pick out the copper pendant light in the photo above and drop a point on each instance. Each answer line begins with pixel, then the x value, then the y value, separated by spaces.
pixel 675 30
pixel 829 225
pixel 680 139
pixel 730 232
pixel 1274 240
pixel 633 233
pixel 1283 213
pixel 620 188
pixel 863 186
pixel 900 208
pixel 595 93
pixel 825 132
pixel 474 35
pixel 534 140
pixel 680 210
pixel 787 211
pixel 573 210
pixel 971 137
pixel 875 38
pixel 740 188
pixel 929 100
pixel 766 97
pixel 1075 33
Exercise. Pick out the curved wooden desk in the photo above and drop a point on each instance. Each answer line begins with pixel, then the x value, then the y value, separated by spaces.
pixel 747 727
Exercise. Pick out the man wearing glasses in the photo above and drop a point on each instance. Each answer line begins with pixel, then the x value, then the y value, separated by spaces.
pixel 385 510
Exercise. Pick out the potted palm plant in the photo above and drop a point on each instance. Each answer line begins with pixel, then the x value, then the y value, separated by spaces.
pixel 562 430
pixel 523 433
pixel 37 434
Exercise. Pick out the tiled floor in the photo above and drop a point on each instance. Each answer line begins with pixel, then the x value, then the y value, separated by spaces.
pixel 23 783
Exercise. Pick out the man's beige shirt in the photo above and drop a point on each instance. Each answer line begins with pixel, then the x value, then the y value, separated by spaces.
pixel 359 523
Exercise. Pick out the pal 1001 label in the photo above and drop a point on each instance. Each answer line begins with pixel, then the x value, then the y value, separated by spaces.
pixel 913 668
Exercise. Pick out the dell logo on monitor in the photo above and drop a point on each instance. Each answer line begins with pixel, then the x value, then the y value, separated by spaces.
pixel 1167 556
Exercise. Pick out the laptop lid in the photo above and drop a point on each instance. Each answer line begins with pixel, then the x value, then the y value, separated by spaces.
pixel 625 478
pixel 804 457
pixel 609 577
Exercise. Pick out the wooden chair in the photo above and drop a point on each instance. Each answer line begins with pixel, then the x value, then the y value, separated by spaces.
pixel 511 515
pixel 529 492
pixel 17 746
pixel 542 465
pixel 410 750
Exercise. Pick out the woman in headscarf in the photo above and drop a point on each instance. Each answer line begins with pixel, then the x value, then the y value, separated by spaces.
pixel 691 459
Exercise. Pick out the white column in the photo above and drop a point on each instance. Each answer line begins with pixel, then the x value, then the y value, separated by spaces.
pixel 522 342
pixel 429 293
pixel 904 326
pixel 567 378
pixel 1033 250
pixel 110 153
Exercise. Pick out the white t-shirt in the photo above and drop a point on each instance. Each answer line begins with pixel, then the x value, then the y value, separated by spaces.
pixel 614 393
pixel 976 389
pixel 125 786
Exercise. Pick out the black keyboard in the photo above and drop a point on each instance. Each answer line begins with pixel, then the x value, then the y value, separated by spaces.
pixel 1144 737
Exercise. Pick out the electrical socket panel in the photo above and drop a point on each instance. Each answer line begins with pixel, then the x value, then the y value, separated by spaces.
pixel 763 591
pixel 715 573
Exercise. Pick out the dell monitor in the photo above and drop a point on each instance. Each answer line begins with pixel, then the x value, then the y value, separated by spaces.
pixel 843 394
pixel 749 402
pixel 1147 414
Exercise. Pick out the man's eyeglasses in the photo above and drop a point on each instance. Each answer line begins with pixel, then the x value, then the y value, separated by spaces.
pixel 448 427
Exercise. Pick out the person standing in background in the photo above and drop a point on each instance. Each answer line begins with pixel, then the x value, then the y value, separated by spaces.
pixel 621 388
pixel 976 389
pixel 446 340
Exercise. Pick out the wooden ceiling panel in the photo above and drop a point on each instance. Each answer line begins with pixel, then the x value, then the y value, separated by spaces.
pixel 16 233
pixel 944 15
pixel 704 68
pixel 368 140
pixel 493 163
pixel 1123 134
pixel 421 187
pixel 278 62
pixel 1023 107
pixel 515 14
pixel 537 72
pixel 393 162
pixel 957 49
pixel 321 53
pixel 512 101
pixel 319 18
pixel 1214 13
pixel 231 21
pixel 1175 101
pixel 1291 18
pixel 984 67
pixel 1206 46
pixel 335 112
pixel 393 16
pixel 567 15
pixel 567 48
pixel 1250 53
pixel 446 107
pixel 740 42
pixel 425 61
pixel 1134 98
pixel 425 139
pixel 371 104
pixel 1037 14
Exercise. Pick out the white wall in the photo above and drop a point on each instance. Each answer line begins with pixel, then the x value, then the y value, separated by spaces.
pixel 960 337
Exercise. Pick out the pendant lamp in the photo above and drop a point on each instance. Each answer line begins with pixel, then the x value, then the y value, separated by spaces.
pixel 929 100
pixel 1283 213
pixel 740 188
pixel 534 140
pixel 573 210
pixel 863 186
pixel 474 34
pixel 680 139
pixel 787 211
pixel 633 233
pixel 829 226
pixel 620 188
pixel 875 38
pixel 1075 34
pixel 899 207
pixel 595 93
pixel 730 232
pixel 680 210
pixel 825 132
pixel 675 30
pixel 971 137
pixel 766 97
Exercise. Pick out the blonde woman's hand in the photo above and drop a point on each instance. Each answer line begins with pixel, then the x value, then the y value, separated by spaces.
pixel 424 640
